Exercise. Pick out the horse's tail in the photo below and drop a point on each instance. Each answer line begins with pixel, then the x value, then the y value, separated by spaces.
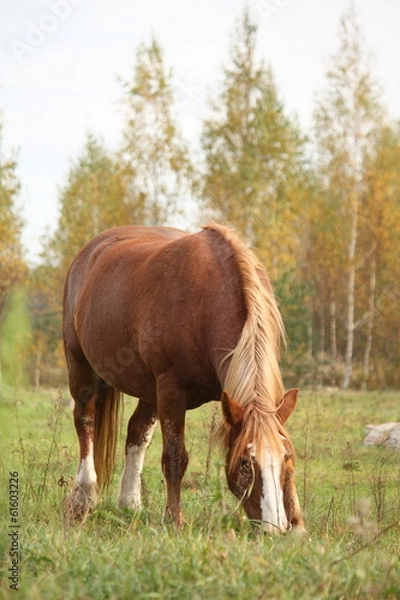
pixel 105 432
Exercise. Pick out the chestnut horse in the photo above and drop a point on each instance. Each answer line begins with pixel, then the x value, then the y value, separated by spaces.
pixel 177 320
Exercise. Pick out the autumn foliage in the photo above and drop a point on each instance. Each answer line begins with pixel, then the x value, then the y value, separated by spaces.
pixel 321 208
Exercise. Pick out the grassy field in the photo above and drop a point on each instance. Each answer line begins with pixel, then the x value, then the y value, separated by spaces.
pixel 350 495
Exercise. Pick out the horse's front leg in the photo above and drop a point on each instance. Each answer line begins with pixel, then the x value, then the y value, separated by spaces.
pixel 292 505
pixel 140 433
pixel 172 401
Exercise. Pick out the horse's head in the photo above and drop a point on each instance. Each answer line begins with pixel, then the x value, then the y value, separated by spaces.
pixel 260 467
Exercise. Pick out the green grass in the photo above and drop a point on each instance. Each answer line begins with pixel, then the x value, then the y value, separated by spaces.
pixel 350 494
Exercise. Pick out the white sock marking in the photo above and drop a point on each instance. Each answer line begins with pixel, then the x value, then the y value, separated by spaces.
pixel 131 485
pixel 86 476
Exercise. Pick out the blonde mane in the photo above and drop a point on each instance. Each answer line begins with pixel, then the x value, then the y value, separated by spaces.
pixel 253 378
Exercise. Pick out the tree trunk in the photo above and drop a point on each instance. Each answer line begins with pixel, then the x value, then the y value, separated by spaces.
pixel 332 317
pixel 348 364
pixel 321 354
pixel 38 368
pixel 371 311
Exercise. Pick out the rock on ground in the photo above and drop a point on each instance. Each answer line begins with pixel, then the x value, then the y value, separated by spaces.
pixel 386 434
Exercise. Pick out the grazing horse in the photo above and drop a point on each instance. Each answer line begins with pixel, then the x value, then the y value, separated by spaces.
pixel 177 320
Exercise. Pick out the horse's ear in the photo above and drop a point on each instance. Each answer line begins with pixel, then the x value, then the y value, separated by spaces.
pixel 287 405
pixel 233 412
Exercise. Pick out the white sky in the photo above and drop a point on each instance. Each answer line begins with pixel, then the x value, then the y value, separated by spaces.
pixel 60 61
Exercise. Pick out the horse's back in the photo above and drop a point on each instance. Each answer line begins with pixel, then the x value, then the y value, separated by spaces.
pixel 125 235
pixel 168 298
pixel 107 243
pixel 165 250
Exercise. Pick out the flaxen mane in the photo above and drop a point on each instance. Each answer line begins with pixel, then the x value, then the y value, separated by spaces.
pixel 253 378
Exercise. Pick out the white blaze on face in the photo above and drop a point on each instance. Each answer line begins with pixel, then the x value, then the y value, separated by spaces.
pixel 272 507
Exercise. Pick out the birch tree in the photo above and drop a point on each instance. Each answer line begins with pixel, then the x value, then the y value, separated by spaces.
pixel 155 155
pixel 347 117
pixel 380 244
pixel 254 156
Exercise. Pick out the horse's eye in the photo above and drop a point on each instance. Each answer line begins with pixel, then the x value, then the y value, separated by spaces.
pixel 244 463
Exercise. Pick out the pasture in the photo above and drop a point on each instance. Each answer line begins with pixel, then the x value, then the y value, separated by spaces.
pixel 350 495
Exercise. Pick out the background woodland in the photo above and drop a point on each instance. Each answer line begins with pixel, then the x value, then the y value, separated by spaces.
pixel 320 208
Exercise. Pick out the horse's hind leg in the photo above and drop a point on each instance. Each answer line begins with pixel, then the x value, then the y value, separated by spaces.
pixel 172 403
pixel 83 383
pixel 140 433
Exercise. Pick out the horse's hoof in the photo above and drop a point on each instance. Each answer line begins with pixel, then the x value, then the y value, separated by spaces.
pixel 79 505
pixel 301 533
pixel 174 518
